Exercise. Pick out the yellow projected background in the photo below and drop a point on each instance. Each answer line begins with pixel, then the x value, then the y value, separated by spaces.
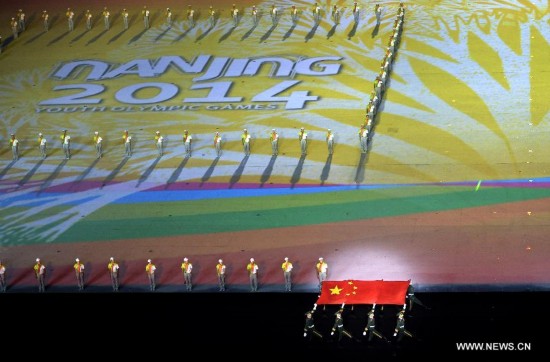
pixel 462 94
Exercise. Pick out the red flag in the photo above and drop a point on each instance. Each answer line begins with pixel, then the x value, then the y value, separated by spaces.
pixel 333 292
pixel 363 292
pixel 393 292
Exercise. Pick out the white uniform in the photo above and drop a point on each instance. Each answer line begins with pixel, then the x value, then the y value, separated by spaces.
pixel 128 146
pixel 330 142
pixel 246 143
pixel 15 148
pixel 294 15
pixel 255 16
pixel 235 16
pixel 356 12
pixel 106 20
pixel 187 269
pixel 274 15
pixel 42 147
pixel 191 17
pixel 67 146
pixel 159 143
pixel 303 142
pixel 363 137
pixel 125 19
pixel 187 143
pixel 70 20
pixel 218 144
pixel 169 17
pixel 146 18
pixel 274 143
pixel 317 13
pixel 88 17
pixel 99 146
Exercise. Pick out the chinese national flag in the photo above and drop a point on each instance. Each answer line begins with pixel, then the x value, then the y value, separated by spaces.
pixel 333 292
pixel 363 292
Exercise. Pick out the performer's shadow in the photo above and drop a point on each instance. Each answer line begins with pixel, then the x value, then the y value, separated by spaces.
pixel 375 30
pixel 360 173
pixel 34 38
pixel 113 173
pixel 248 33
pixel 137 37
pixel 162 34
pixel 78 37
pixel 268 170
pixel 268 33
pixel 203 35
pixel 289 32
pixel 297 172
pixel 331 31
pixel 176 174
pixel 115 38
pixel 53 41
pixel 52 177
pixel 311 33
pixel 181 36
pixel 29 174
pixel 238 172
pixel 96 38
pixel 226 35
pixel 353 30
pixel 209 171
pixel 148 172
pixel 85 173
pixel 326 170
pixel 5 170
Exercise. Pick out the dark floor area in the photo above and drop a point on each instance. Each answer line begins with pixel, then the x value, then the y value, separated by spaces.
pixel 236 324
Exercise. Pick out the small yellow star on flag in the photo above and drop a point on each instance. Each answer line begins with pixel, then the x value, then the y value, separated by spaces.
pixel 354 288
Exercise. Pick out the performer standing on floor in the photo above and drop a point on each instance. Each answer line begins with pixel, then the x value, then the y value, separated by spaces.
pixel 42 145
pixel 40 274
pixel 125 19
pixel 113 273
pixel 274 139
pixel 287 274
pixel 245 139
pixel 14 144
pixel 330 141
pixel 3 285
pixel 150 271
pixel 98 141
pixel 322 269
pixel 79 272
pixel 218 144
pixel 187 269
pixel 187 140
pixel 220 273
pixel 106 18
pixel 159 140
pixel 88 18
pixel 252 269
pixel 302 137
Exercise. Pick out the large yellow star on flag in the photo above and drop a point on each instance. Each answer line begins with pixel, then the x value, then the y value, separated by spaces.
pixel 335 290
